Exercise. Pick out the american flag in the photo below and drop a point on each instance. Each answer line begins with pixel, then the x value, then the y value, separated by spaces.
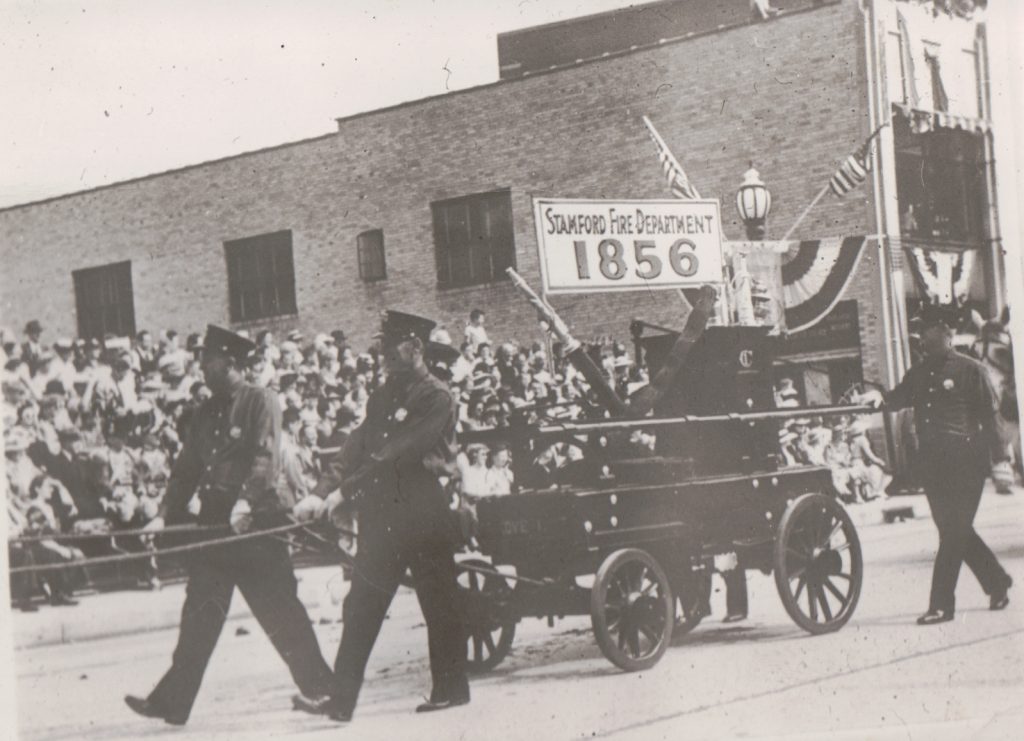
pixel 678 183
pixel 852 172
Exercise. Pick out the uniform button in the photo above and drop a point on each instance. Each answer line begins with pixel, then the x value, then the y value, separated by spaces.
pixel 928 404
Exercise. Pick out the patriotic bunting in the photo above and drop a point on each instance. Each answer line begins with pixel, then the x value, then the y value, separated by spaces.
pixel 815 278
pixel 944 276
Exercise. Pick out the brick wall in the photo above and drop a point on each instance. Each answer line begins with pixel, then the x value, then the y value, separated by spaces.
pixel 789 94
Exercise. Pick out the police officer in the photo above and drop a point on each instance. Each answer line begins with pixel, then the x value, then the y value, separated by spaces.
pixel 391 464
pixel 230 460
pixel 957 417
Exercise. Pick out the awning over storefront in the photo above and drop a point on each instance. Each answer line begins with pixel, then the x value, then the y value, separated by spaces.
pixel 921 120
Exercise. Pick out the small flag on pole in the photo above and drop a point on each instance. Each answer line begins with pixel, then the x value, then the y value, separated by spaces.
pixel 852 172
pixel 678 183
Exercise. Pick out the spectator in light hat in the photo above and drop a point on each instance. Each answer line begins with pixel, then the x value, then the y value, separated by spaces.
pixel 786 395
pixel 475 332
pixel 33 346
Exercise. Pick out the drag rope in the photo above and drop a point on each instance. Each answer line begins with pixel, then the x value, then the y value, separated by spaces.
pixel 116 533
pixel 159 552
pixel 275 532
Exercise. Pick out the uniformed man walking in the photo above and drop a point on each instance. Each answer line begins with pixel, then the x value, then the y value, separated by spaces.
pixel 230 459
pixel 391 463
pixel 957 417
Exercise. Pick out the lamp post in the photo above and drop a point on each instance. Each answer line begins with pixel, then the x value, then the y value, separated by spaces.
pixel 754 203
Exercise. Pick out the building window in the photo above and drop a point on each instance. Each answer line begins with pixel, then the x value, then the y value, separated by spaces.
pixel 370 247
pixel 940 180
pixel 473 239
pixel 103 297
pixel 261 276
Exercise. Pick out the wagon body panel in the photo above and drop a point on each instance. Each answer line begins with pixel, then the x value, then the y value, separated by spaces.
pixel 556 534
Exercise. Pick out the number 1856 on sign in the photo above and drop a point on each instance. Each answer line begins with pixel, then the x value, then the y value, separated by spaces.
pixel 642 259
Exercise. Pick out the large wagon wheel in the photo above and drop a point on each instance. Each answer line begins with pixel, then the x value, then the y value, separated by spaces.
pixel 818 567
pixel 632 609
pixel 490 629
pixel 693 600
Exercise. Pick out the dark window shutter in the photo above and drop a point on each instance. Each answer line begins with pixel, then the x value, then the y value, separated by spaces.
pixel 474 240
pixel 370 253
pixel 261 276
pixel 104 300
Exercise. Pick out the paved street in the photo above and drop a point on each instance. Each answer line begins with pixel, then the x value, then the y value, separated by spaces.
pixel 880 677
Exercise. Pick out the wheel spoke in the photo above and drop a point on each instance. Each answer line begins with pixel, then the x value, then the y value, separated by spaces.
pixel 812 602
pixel 842 547
pixel 823 600
pixel 832 588
pixel 798 573
pixel 648 588
pixel 637 584
pixel 841 575
pixel 478 648
pixel 649 633
pixel 634 642
pixel 836 529
pixel 489 642
pixel 799 588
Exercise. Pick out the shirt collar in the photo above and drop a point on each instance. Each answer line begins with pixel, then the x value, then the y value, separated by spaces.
pixel 234 386
pixel 409 378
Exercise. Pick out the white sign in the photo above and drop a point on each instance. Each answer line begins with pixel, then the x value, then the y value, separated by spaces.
pixel 597 245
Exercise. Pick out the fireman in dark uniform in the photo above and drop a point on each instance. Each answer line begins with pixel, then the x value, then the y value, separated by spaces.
pixel 230 460
pixel 957 417
pixel 391 464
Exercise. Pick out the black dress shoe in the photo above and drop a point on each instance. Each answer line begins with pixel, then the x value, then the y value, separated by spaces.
pixel 431 705
pixel 999 600
pixel 933 617
pixel 734 617
pixel 312 704
pixel 322 705
pixel 148 709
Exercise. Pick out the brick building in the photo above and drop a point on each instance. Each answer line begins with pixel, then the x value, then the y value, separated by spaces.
pixel 419 206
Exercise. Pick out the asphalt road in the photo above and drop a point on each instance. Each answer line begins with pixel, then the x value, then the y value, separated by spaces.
pixel 880 677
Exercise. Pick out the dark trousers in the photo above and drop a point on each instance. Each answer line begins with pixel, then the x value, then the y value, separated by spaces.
pixel 56 581
pixel 262 571
pixel 735 592
pixel 382 558
pixel 953 486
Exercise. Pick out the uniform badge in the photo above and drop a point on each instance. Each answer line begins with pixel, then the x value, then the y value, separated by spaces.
pixel 235 433
pixel 400 414
pixel 947 384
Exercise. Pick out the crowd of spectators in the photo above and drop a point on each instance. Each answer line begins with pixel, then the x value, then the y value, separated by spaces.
pixel 858 473
pixel 92 427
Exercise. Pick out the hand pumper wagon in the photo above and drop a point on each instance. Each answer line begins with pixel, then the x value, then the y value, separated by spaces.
pixel 650 522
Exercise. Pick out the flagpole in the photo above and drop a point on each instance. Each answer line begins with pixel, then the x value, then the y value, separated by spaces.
pixel 661 143
pixel 655 134
pixel 826 188
pixel 812 204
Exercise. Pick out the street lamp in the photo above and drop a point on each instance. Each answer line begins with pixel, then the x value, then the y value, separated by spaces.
pixel 754 203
